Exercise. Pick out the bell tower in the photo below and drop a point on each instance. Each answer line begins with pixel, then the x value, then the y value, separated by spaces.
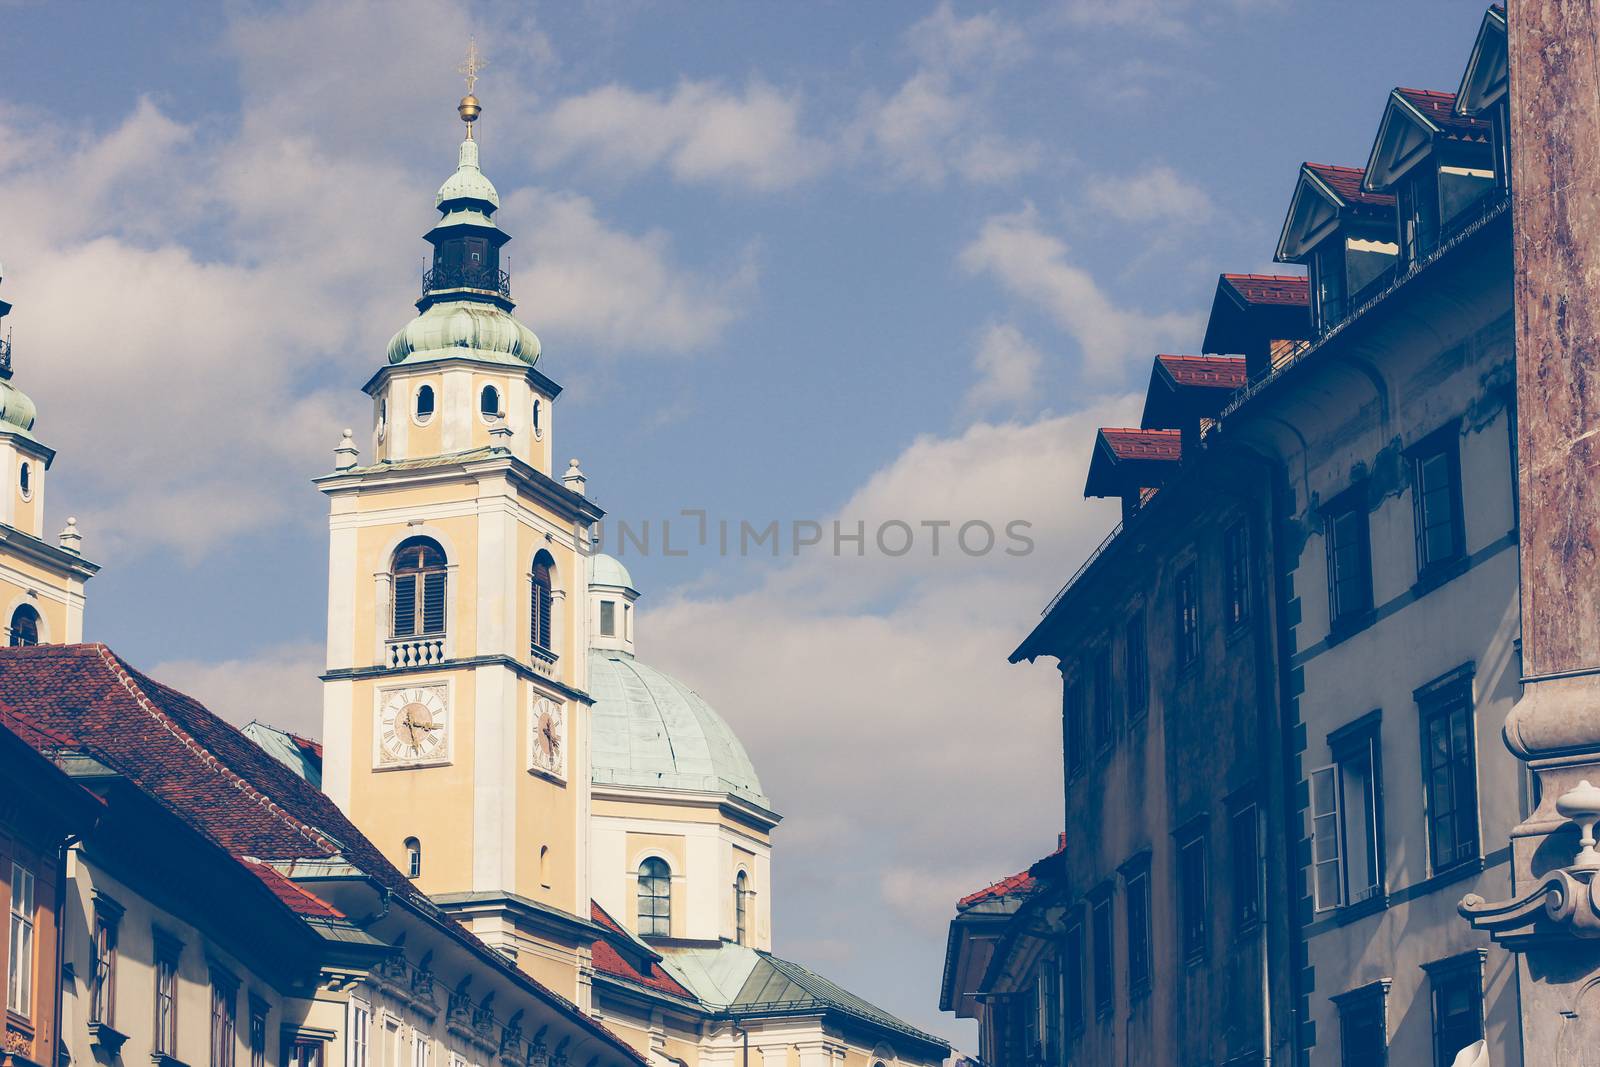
pixel 41 585
pixel 455 716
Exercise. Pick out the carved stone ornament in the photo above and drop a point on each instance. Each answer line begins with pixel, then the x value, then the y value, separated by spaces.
pixel 1566 903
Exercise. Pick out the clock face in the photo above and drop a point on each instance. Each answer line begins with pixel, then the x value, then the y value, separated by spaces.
pixel 547 742
pixel 414 725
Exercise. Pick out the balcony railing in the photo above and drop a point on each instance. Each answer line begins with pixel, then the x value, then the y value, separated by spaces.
pixel 543 660
pixel 484 278
pixel 415 651
pixel 5 357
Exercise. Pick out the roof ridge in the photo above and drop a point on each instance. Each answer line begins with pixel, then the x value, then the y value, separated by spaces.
pixel 120 672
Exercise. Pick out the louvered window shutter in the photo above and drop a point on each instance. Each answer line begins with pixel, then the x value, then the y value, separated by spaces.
pixel 433 590
pixel 405 605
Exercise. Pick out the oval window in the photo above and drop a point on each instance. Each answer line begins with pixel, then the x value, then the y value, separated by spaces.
pixel 25 481
pixel 489 402
pixel 424 403
pixel 538 418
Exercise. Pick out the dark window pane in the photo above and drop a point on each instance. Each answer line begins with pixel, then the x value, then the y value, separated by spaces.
pixel 1138 934
pixel 1104 993
pixel 1103 725
pixel 1192 909
pixel 1138 667
pixel 1246 868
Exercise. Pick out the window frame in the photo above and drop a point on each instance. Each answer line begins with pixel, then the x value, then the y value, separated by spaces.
pixel 14 638
pixel 1447 697
pixel 1246 866
pixel 1444 443
pixel 541 605
pixel 1352 1006
pixel 660 915
pixel 1327 260
pixel 1137 924
pixel 1073 998
pixel 413 847
pixel 168 960
pixel 1136 665
pixel 1362 737
pixel 1103 951
pixel 1236 576
pixel 22 965
pixel 418 416
pixel 260 1010
pixel 103 963
pixel 741 917
pixel 1345 618
pixel 224 1019
pixel 1194 927
pixel 1465 967
pixel 488 389
pixel 1103 714
pixel 1186 601
pixel 1074 713
pixel 428 589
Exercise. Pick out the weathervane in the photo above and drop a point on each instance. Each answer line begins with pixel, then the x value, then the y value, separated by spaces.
pixel 469 108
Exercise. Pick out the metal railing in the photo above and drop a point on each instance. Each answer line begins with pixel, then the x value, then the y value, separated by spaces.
pixel 5 357
pixel 484 278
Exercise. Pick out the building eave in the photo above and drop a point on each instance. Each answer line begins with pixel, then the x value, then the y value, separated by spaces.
pixel 38 551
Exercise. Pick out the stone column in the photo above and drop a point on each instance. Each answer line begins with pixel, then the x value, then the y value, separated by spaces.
pixel 1554 921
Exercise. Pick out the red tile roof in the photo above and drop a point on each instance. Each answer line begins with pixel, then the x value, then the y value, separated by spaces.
pixel 1205 372
pixel 1284 290
pixel 608 961
pixel 1128 443
pixel 1346 183
pixel 1440 109
pixel 1020 884
pixel 300 901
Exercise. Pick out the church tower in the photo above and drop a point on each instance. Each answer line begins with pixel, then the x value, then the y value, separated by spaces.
pixel 41 585
pixel 456 723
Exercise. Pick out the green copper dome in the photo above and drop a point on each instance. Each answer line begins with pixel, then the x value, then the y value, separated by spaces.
pixel 468 182
pixel 651 731
pixel 16 409
pixel 608 570
pixel 464 328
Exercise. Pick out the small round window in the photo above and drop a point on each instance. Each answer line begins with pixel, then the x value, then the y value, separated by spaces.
pixel 424 403
pixel 489 402
pixel 25 481
pixel 538 418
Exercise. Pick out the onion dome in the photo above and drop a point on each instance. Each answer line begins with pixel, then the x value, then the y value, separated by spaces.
pixel 17 411
pixel 465 309
pixel 464 328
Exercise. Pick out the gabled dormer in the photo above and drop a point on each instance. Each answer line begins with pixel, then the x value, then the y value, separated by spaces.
pixel 1132 464
pixel 1187 392
pixel 1342 234
pixel 1438 164
pixel 1263 317
pixel 1484 91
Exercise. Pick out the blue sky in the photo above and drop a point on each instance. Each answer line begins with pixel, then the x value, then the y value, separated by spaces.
pixel 853 262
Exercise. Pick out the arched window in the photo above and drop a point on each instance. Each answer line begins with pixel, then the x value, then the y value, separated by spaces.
pixel 24 626
pixel 655 898
pixel 741 894
pixel 25 481
pixel 424 403
pixel 419 588
pixel 413 858
pixel 538 418
pixel 489 402
pixel 544 866
pixel 542 627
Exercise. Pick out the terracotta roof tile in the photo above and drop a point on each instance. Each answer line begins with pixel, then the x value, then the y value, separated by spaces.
pixel 300 900
pixel 1286 290
pixel 1205 372
pixel 1126 442
pixel 1346 182
pixel 608 961
pixel 1020 884
pixel 1440 109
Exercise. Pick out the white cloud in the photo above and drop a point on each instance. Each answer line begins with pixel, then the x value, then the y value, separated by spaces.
pixel 1037 267
pixel 1162 17
pixel 700 132
pixel 278 685
pixel 940 122
pixel 1007 365
pixel 1155 194
pixel 591 281
pixel 193 303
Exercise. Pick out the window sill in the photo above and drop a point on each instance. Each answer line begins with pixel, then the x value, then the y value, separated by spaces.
pixel 1456 872
pixel 107 1037
pixel 1434 575
pixel 1346 627
pixel 1350 913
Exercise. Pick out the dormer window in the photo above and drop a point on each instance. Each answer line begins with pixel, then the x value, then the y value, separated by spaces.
pixel 1418 194
pixel 424 403
pixel 1329 283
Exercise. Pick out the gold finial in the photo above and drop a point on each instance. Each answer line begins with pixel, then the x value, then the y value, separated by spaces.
pixel 469 109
